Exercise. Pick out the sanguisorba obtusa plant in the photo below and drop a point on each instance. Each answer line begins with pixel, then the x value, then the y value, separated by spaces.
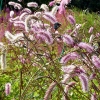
pixel 45 63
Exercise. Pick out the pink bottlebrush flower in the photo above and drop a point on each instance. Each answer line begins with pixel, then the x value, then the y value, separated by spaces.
pixel 48 16
pixel 3 58
pixel 7 88
pixel 28 19
pixel 90 30
pixel 62 6
pixel 96 61
pixel 86 46
pixel 11 3
pixel 71 19
pixel 44 7
pixel 51 3
pixel 23 16
pixel 32 4
pixel 38 14
pixel 20 0
pixel 18 6
pixel 68 69
pixel 70 56
pixel 19 24
pixel 68 39
pixel 54 10
pixel 11 13
pixel 45 36
pixel 14 19
pixel 84 82
pixel 91 38
pixel 27 10
pixel 93 96
pixel 49 90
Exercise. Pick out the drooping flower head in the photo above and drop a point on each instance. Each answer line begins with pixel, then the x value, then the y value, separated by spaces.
pixel 71 19
pixel 90 30
pixel 69 56
pixel 86 46
pixel 44 7
pixel 51 3
pixel 96 61
pixel 32 4
pixel 68 39
pixel 7 88
pixel 84 82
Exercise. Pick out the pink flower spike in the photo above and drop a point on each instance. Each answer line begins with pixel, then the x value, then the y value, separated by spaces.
pixel 68 69
pixel 70 56
pixel 17 6
pixel 68 39
pixel 86 46
pixel 11 3
pixel 32 4
pixel 96 61
pixel 48 16
pixel 19 24
pixel 7 88
pixel 71 19
pixel 27 10
pixel 20 0
pixel 84 81
pixel 11 13
pixel 51 3
pixel 90 30
pixel 45 36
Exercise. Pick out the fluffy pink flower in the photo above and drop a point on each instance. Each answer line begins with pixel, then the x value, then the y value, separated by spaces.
pixel 11 3
pixel 17 6
pixel 26 10
pixel 20 0
pixel 86 46
pixel 32 4
pixel 70 56
pixel 68 69
pixel 90 30
pixel 7 88
pixel 19 24
pixel 45 36
pixel 11 13
pixel 14 19
pixel 48 16
pixel 51 3
pixel 62 6
pixel 71 19
pixel 84 82
pixel 96 61
pixel 68 39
